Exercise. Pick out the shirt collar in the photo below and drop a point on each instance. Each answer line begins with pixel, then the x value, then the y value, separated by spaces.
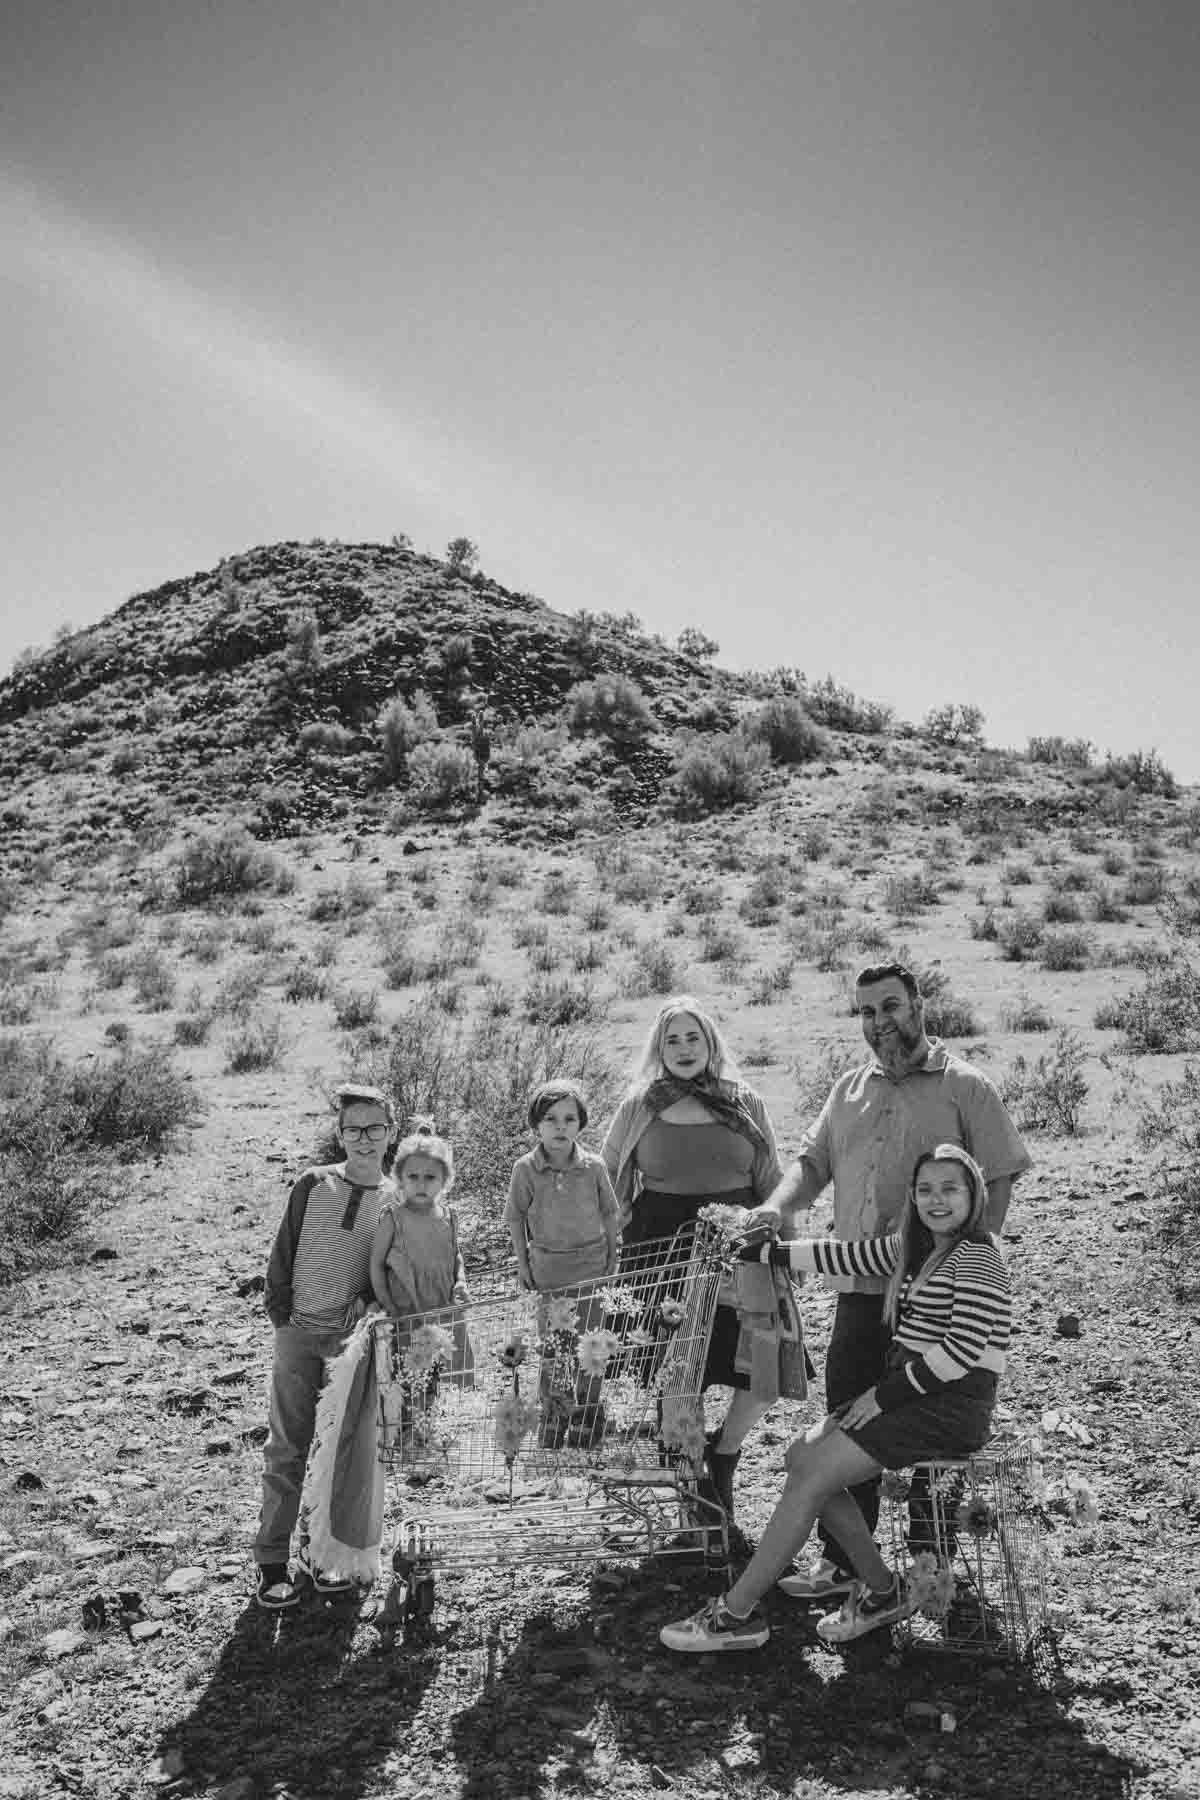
pixel 542 1161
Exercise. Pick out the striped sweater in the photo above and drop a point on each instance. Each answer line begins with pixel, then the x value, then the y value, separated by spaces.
pixel 953 1317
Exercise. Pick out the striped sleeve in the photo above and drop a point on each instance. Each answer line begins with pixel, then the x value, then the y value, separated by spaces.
pixel 830 1256
pixel 972 1295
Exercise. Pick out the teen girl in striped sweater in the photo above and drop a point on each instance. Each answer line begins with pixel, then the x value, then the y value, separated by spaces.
pixel 949 1306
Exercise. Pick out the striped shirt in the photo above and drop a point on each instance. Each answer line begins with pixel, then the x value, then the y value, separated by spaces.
pixel 954 1316
pixel 320 1262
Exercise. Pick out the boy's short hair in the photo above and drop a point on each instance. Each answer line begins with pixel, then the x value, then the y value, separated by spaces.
pixel 359 1093
pixel 549 1094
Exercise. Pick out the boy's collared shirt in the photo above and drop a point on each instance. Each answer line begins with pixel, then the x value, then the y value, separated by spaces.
pixel 562 1208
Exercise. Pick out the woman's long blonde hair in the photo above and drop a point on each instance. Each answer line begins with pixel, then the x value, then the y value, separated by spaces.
pixel 649 1066
pixel 916 1240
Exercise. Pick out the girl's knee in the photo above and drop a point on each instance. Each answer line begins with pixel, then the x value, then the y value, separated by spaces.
pixel 798 1456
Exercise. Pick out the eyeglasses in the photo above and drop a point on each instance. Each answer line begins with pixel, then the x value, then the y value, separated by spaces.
pixel 374 1134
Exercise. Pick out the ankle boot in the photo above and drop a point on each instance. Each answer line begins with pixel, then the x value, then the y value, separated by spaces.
pixel 719 1466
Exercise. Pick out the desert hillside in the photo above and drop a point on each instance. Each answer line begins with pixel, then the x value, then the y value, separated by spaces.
pixel 334 809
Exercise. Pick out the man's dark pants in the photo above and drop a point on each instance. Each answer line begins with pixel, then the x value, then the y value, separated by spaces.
pixel 854 1362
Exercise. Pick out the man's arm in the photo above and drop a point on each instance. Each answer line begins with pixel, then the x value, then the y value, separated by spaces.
pixel 795 1194
pixel 999 1193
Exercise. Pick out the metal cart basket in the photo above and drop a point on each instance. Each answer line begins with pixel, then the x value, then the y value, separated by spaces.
pixel 540 1428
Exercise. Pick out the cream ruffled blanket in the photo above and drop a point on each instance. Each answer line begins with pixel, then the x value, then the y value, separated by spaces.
pixel 343 1485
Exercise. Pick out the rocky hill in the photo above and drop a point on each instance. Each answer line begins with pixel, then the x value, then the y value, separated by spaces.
pixel 256 687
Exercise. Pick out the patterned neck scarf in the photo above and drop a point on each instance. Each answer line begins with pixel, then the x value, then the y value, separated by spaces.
pixel 728 1107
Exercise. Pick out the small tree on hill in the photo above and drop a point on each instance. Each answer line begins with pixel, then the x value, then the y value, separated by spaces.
pixel 692 642
pixel 461 556
pixel 958 726
pixel 785 728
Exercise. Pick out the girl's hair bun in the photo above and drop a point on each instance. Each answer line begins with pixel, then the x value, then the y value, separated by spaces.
pixel 422 1125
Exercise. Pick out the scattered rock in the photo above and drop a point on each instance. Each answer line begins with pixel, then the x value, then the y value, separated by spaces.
pixel 1068 1325
pixel 144 1629
pixel 185 1581
pixel 94 1613
pixel 104 1253
pixel 220 1446
pixel 28 1481
pixel 66 1642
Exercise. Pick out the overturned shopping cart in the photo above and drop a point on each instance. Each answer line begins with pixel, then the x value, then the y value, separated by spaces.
pixel 543 1428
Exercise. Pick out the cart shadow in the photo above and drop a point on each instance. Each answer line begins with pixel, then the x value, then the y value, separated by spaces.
pixel 289 1703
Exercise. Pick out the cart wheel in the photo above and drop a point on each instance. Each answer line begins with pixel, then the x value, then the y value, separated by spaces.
pixel 421 1602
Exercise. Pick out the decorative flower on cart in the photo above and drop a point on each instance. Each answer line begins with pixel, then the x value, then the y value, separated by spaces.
pixel 976 1516
pixel 594 1350
pixel 514 1351
pixel 562 1313
pixel 683 1426
pixel 729 1222
pixel 429 1346
pixel 620 1300
pixel 514 1418
pixel 893 1485
pixel 641 1338
pixel 670 1314
pixel 931 1584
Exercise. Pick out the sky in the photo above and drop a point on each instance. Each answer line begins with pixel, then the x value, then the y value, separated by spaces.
pixel 861 334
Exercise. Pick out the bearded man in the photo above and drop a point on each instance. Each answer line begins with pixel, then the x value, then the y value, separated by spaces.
pixel 911 1094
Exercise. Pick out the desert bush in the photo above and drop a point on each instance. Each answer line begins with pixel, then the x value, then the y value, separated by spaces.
pixel 325 737
pixel 402 725
pixel 1019 936
pixel 1114 862
pixel 206 944
pixel 947 1015
pixel 16 1004
pixel 442 774
pixel 653 969
pixel 192 1029
pixel 1026 1014
pixel 558 890
pixel 556 1004
pixel 719 943
pixel 697 898
pixel 1066 951
pixel 814 1078
pixel 219 864
pixel 984 930
pixel 1170 1126
pixel 1060 909
pixel 523 757
pixel 766 985
pixel 254 1043
pixel 1142 770
pixel 153 979
pixel 1064 753
pixel 954 725
pixel 1048 1094
pixel 1145 886
pixel 722 770
pixel 1163 1016
pixel 529 931
pixel 238 990
pixel 612 707
pixel 788 732
pixel 906 895
pixel 354 1008
pixel 1105 908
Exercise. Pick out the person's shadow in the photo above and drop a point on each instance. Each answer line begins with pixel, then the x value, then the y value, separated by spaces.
pixel 567 1700
pixel 287 1703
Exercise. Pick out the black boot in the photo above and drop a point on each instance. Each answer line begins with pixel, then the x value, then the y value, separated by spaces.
pixel 719 1466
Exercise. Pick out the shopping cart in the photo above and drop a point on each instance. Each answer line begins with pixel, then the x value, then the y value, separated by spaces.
pixel 569 1426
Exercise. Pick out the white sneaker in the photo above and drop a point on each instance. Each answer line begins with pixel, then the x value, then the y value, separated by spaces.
pixel 864 1611
pixel 823 1581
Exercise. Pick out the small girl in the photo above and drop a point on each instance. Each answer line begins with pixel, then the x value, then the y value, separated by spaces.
pixel 565 1225
pixel 416 1261
pixel 949 1304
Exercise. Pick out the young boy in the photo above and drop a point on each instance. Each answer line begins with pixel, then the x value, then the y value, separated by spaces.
pixel 318 1285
